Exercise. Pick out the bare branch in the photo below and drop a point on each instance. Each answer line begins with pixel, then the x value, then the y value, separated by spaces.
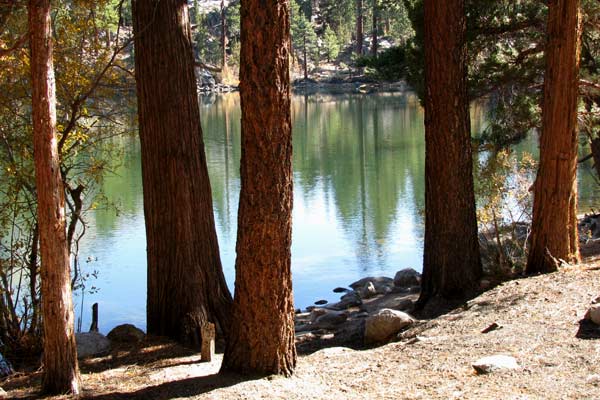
pixel 18 44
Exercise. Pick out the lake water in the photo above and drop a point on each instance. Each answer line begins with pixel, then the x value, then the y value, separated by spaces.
pixel 358 200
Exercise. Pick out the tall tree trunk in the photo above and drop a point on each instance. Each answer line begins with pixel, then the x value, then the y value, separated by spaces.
pixel 359 27
pixel 186 286
pixel 61 370
pixel 451 264
pixel 223 40
pixel 554 223
pixel 305 60
pixel 262 332
pixel 374 40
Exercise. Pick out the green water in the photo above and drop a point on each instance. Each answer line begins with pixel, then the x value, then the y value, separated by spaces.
pixel 358 199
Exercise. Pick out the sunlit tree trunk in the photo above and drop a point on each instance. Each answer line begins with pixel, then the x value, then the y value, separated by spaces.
pixel 61 371
pixel 186 286
pixel 554 224
pixel 451 264
pixel 262 332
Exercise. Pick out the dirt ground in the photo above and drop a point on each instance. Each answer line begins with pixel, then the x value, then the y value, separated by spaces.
pixel 539 322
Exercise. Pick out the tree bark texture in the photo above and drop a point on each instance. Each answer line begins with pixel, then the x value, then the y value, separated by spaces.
pixel 554 224
pixel 359 27
pixel 186 286
pixel 262 333
pixel 61 370
pixel 451 264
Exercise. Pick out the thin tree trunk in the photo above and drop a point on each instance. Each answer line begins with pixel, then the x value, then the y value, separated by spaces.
pixel 33 280
pixel 305 61
pixel 374 43
pixel 61 370
pixel 223 40
pixel 359 27
pixel 554 223
pixel 451 264
pixel 262 332
pixel 186 286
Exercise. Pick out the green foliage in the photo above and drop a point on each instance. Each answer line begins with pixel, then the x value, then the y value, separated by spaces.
pixel 331 44
pixel 389 65
pixel 304 38
pixel 506 42
pixel 89 74
pixel 340 16
pixel 503 179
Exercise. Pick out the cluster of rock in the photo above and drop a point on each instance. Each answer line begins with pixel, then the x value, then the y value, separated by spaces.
pixel 373 310
pixel 96 344
pixel 207 83
pixel 589 227
pixel 593 313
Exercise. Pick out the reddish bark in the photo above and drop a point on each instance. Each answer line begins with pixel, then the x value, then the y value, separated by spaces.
pixel 554 223
pixel 262 332
pixel 186 286
pixel 61 371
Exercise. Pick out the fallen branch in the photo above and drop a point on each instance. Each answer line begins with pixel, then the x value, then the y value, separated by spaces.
pixel 593 85
pixel 207 67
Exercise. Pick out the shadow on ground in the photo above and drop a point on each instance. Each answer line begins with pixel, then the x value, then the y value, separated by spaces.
pixel 181 388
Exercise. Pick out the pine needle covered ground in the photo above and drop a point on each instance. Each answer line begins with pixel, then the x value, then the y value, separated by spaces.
pixel 539 321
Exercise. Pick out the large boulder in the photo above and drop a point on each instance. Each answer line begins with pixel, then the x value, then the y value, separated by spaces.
pixel 407 277
pixel 367 291
pixel 91 344
pixel 493 363
pixel 385 324
pixel 380 284
pixel 206 79
pixel 330 320
pixel 375 280
pixel 316 313
pixel 593 314
pixel 126 333
pixel 350 299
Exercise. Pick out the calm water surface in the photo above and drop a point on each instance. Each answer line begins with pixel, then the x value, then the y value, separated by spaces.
pixel 358 200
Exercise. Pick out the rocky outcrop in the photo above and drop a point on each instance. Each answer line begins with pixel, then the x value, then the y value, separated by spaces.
pixel 126 333
pixel 207 83
pixel 377 281
pixel 385 324
pixel 91 344
pixel 373 312
pixel 407 277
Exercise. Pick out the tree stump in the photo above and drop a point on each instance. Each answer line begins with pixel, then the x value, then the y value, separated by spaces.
pixel 94 326
pixel 208 342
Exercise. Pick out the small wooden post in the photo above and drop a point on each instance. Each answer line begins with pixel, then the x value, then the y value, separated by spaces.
pixel 94 326
pixel 208 341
